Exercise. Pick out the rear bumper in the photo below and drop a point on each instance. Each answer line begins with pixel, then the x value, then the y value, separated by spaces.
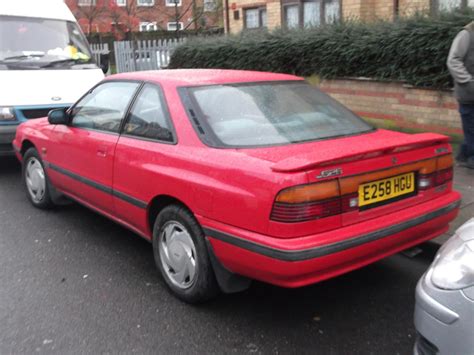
pixel 7 134
pixel 302 261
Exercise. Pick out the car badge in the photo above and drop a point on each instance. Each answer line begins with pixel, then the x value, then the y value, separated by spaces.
pixel 329 173
pixel 56 98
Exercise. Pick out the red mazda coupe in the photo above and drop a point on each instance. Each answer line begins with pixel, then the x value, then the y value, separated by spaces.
pixel 239 175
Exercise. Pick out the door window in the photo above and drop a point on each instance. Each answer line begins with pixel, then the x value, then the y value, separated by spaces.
pixel 104 107
pixel 148 117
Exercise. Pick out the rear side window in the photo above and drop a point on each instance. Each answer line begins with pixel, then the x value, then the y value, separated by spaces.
pixel 148 117
pixel 104 107
pixel 270 113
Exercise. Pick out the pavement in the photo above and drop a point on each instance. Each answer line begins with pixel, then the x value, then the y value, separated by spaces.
pixel 464 183
pixel 73 282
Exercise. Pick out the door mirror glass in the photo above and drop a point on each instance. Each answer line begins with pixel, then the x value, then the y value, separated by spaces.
pixel 58 116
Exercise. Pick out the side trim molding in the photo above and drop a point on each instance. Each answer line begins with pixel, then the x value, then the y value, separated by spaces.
pixel 320 251
pixel 127 198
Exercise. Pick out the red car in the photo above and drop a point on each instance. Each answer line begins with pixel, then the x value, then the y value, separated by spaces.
pixel 238 175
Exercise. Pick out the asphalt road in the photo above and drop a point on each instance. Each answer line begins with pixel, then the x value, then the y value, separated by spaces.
pixel 72 281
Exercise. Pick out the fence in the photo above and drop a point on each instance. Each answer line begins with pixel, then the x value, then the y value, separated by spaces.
pixel 98 49
pixel 144 55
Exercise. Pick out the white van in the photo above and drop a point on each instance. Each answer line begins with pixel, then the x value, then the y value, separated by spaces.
pixel 45 63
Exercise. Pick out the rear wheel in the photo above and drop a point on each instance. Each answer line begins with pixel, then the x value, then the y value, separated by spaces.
pixel 181 255
pixel 36 180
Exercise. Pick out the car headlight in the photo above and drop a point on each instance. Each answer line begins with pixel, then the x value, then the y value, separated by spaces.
pixel 7 114
pixel 453 268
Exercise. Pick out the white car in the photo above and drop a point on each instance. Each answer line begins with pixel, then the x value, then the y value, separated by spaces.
pixel 444 310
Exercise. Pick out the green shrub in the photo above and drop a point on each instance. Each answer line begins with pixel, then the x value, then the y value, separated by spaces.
pixel 413 50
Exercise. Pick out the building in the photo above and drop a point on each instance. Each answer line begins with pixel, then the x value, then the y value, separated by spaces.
pixel 271 14
pixel 123 16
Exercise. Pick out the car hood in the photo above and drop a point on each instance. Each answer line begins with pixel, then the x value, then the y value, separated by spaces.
pixel 303 156
pixel 45 87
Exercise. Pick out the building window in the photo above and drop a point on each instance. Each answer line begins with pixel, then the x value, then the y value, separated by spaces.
pixel 209 5
pixel 255 18
pixel 172 26
pixel 121 2
pixel 85 2
pixel 145 2
pixel 292 16
pixel 148 26
pixel 451 5
pixel 310 13
pixel 173 2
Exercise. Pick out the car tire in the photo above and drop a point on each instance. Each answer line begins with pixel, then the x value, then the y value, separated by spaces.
pixel 36 180
pixel 181 255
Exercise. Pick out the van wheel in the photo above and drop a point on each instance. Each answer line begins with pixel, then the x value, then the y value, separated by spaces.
pixel 35 180
pixel 181 255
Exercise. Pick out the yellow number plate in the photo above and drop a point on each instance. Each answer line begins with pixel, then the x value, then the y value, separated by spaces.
pixel 386 189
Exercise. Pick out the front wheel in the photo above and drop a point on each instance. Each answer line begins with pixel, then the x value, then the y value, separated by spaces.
pixel 181 255
pixel 36 180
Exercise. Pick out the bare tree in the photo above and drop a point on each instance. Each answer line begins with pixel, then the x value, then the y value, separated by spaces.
pixel 190 10
pixel 91 13
pixel 128 16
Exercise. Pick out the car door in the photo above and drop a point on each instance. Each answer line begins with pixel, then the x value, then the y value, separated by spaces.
pixel 81 162
pixel 142 156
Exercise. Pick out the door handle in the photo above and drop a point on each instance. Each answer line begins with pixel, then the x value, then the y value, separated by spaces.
pixel 101 153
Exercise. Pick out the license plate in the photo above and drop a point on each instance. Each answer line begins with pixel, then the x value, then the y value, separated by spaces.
pixel 386 189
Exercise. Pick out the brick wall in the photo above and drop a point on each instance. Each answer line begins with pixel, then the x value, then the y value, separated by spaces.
pixel 409 7
pixel 408 107
pixel 368 10
pixel 273 15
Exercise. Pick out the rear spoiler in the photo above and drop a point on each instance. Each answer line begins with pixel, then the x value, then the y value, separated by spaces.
pixel 363 148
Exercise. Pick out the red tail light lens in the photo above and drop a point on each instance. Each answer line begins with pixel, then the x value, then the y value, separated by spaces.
pixel 290 213
pixel 443 176
pixel 302 212
pixel 437 178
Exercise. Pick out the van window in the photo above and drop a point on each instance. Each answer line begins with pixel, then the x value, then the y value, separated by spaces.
pixel 28 42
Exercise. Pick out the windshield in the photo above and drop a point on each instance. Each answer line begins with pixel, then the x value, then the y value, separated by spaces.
pixel 265 114
pixel 35 43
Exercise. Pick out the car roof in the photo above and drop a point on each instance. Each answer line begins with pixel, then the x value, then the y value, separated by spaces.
pixel 196 77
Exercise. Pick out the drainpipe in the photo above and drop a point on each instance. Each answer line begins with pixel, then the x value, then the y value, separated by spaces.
pixel 227 17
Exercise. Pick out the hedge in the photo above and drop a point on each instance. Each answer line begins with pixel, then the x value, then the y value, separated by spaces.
pixel 413 50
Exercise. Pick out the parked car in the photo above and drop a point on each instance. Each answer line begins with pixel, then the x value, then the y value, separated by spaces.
pixel 237 175
pixel 45 63
pixel 444 310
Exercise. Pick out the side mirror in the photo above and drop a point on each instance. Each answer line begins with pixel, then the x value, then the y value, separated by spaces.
pixel 104 62
pixel 58 116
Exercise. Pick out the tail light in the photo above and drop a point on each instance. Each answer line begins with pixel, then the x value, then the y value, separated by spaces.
pixel 319 200
pixel 442 175
pixel 313 201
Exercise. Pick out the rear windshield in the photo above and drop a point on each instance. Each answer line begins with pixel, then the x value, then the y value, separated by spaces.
pixel 266 114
